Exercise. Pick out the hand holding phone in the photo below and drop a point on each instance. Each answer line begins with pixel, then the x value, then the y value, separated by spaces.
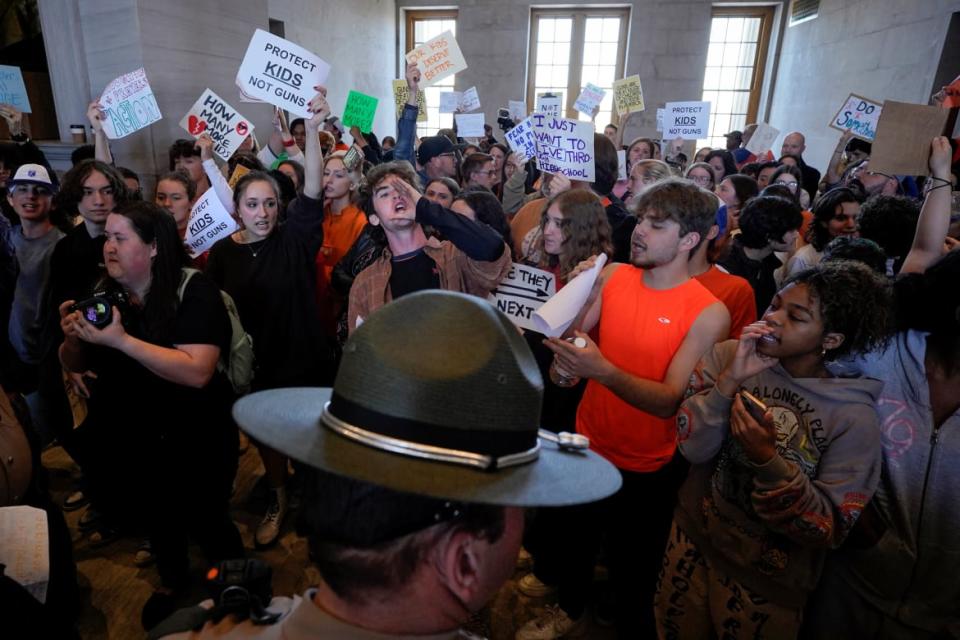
pixel 754 406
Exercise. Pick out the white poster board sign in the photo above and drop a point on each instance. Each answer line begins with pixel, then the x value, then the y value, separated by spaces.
pixel 280 72
pixel 521 140
pixel 687 120
pixel 762 139
pixel 469 125
pixel 549 105
pixel 859 116
pixel 224 124
pixel 564 146
pixel 554 317
pixel 518 109
pixel 437 59
pixel 621 164
pixel 129 105
pixel 209 223
pixel 449 101
pixel 522 293
pixel 589 99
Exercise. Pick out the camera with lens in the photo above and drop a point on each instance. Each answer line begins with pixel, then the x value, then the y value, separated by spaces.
pixel 504 119
pixel 98 308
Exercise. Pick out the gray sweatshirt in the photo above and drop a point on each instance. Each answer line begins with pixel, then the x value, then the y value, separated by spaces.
pixel 29 317
pixel 912 572
pixel 769 526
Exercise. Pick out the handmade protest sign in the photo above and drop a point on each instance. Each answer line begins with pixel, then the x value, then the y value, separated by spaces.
pixel 687 120
pixel 281 73
pixel 518 109
pixel 549 104
pixel 522 292
pixel 209 222
pixel 564 146
pixel 859 116
pixel 449 101
pixel 12 89
pixel 359 111
pixel 400 93
pixel 762 139
pixel 437 59
pixel 628 95
pixel 469 125
pixel 621 164
pixel 245 97
pixel 554 317
pixel 904 132
pixel 128 105
pixel 210 114
pixel 238 173
pixel 589 99
pixel 521 140
pixel 469 100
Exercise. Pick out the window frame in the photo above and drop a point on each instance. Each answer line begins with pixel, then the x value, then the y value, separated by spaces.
pixel 577 34
pixel 766 13
pixel 411 17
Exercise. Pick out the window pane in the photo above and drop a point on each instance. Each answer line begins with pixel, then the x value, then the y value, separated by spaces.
pixel 715 54
pixel 544 53
pixel 561 53
pixel 611 29
pixel 744 78
pixel 591 53
pixel 608 53
pixel 731 54
pixel 564 26
pixel 725 103
pixel 605 77
pixel 719 124
pixel 711 78
pixel 593 32
pixel 423 30
pixel 718 30
pixel 727 77
pixel 543 76
pixel 748 54
pixel 559 77
pixel 734 30
pixel 751 30
pixel 546 30
pixel 741 101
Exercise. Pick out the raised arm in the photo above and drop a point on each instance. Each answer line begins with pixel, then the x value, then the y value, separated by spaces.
pixel 313 163
pixel 407 125
pixel 832 176
pixel 220 185
pixel 101 144
pixel 935 215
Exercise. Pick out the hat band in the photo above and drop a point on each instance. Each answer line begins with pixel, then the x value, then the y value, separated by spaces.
pixel 488 450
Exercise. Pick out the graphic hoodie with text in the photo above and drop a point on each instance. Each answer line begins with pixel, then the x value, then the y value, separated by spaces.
pixel 769 526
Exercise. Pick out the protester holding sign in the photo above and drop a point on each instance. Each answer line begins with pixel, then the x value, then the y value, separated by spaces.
pixel 270 271
pixel 162 343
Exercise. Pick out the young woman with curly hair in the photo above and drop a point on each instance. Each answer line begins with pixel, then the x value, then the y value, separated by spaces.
pixel 834 215
pixel 776 485
pixel 573 227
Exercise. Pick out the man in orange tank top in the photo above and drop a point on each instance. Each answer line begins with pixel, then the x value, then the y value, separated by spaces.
pixel 655 323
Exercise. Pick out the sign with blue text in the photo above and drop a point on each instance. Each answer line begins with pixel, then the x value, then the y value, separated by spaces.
pixel 564 146
pixel 128 104
pixel 859 116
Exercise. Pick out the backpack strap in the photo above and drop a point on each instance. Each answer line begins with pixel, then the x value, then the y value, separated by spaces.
pixel 186 274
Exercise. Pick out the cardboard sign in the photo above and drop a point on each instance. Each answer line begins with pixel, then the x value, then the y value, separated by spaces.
pixel 589 99
pixel 549 104
pixel 25 548
pixel 621 164
pixel 628 95
pixel 211 115
pixel 522 292
pixel 281 73
pixel 238 172
pixel 564 146
pixel 129 105
pixel 437 59
pixel 902 145
pixel 12 90
pixel 859 116
pixel 660 113
pixel 400 93
pixel 521 140
pixel 359 111
pixel 518 109
pixel 762 139
pixel 209 222
pixel 470 125
pixel 687 120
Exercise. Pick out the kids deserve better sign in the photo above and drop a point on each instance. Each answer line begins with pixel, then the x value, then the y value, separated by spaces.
pixel 224 124
pixel 280 72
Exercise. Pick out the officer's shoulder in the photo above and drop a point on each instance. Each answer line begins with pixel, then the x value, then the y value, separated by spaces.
pixel 181 625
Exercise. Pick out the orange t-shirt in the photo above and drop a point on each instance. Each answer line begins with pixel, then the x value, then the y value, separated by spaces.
pixel 340 231
pixel 527 218
pixel 735 293
pixel 641 330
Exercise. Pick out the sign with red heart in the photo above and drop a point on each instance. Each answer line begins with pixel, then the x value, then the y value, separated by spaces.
pixel 212 116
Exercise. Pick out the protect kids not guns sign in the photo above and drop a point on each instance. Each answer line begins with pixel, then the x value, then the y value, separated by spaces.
pixel 687 120
pixel 280 72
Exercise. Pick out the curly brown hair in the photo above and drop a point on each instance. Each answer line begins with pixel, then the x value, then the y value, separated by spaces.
pixel 854 301
pixel 586 230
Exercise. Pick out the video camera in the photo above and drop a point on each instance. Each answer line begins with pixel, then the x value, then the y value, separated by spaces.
pixel 98 308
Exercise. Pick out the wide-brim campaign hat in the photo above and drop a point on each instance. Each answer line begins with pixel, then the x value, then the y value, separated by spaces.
pixel 437 394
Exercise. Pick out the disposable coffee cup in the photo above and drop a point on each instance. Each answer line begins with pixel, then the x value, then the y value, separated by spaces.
pixel 79 133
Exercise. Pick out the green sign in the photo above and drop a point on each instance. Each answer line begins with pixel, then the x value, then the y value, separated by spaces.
pixel 359 111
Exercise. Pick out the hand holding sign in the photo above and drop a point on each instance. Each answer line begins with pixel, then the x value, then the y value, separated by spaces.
pixel 319 110
pixel 14 118
pixel 95 115
pixel 129 105
pixel 412 77
pixel 205 144
pixel 225 126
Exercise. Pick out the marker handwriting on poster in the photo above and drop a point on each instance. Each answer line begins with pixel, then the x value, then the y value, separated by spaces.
pixel 400 93
pixel 564 146
pixel 589 99
pixel 281 72
pixel 522 292
pixel 209 222
pixel 859 116
pixel 628 95
pixel 549 104
pixel 521 140
pixel 210 114
pixel 12 89
pixel 359 111
pixel 437 58
pixel 129 105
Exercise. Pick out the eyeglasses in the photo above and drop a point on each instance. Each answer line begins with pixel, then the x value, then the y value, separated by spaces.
pixel 449 154
pixel 31 189
pixel 880 173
